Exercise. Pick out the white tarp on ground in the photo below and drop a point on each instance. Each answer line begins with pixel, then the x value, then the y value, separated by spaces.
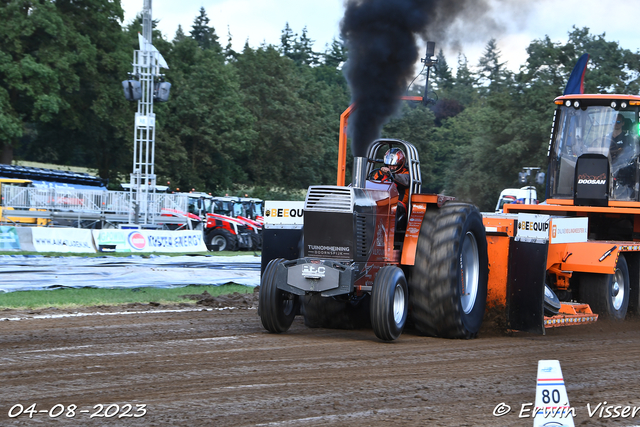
pixel 19 272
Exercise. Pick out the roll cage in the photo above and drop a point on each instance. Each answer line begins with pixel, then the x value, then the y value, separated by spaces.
pixel 375 156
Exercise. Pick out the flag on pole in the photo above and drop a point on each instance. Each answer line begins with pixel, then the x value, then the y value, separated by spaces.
pixel 575 85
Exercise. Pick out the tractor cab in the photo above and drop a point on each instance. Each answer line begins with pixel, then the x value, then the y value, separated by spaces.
pixel 594 150
pixel 227 206
pixel 200 204
pixel 252 207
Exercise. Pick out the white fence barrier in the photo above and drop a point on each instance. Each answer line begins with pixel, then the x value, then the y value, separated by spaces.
pixel 78 240
pixel 87 201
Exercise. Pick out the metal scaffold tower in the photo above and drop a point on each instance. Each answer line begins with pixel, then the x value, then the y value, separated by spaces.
pixel 147 62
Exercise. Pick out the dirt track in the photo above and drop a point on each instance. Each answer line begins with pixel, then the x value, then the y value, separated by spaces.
pixel 220 368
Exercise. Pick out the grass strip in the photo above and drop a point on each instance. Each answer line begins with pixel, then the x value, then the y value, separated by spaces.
pixel 84 297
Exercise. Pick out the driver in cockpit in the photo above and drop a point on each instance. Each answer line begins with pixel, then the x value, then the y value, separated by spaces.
pixel 395 169
pixel 623 154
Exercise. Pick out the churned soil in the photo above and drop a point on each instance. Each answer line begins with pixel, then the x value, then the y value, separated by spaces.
pixel 213 364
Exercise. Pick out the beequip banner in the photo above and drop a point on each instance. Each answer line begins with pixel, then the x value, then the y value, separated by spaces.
pixel 279 213
pixel 149 241
pixel 62 240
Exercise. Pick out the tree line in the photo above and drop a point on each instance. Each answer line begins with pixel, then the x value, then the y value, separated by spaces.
pixel 265 120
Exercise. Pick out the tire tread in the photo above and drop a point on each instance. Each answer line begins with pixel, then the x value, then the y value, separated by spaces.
pixel 433 288
pixel 272 318
pixel 232 240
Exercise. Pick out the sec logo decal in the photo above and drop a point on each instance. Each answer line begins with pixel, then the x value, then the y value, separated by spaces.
pixel 137 240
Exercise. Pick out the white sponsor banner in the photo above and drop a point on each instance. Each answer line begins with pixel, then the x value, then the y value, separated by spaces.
pixel 569 230
pixel 533 226
pixel 62 239
pixel 149 241
pixel 283 213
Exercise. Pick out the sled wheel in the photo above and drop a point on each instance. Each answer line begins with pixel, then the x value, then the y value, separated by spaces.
pixel 223 239
pixel 449 281
pixel 551 302
pixel 607 294
pixel 277 307
pixel 633 264
pixel 389 303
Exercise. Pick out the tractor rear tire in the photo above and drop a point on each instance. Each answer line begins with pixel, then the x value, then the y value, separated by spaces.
pixel 607 294
pixel 389 303
pixel 223 239
pixel 277 308
pixel 448 287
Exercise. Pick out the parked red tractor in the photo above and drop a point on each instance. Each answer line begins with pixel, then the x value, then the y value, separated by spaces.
pixel 221 231
pixel 246 214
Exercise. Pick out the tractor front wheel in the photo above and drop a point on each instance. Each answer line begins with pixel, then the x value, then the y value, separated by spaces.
pixel 448 285
pixel 277 308
pixel 607 294
pixel 389 303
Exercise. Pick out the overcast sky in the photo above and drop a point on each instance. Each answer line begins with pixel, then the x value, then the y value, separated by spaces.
pixel 518 22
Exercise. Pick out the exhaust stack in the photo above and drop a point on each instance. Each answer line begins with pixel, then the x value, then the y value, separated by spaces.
pixel 359 172
pixel 429 61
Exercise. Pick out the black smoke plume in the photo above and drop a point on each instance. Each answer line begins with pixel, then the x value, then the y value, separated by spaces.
pixel 381 37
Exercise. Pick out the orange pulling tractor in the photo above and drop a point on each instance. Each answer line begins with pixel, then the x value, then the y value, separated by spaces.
pixel 563 262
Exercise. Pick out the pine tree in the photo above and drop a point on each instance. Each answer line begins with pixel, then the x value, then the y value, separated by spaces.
pixel 202 33
pixel 442 75
pixel 180 35
pixel 303 53
pixel 287 39
pixel 229 53
pixel 336 55
pixel 464 90
pixel 492 71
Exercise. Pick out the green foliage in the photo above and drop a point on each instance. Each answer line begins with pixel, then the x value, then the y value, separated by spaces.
pixel 442 76
pixel 205 130
pixel 60 72
pixel 265 121
pixel 203 34
pixel 37 54
pixel 416 125
pixel 492 73
pixel 290 107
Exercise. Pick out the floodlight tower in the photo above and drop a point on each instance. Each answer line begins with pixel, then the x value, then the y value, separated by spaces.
pixel 146 67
